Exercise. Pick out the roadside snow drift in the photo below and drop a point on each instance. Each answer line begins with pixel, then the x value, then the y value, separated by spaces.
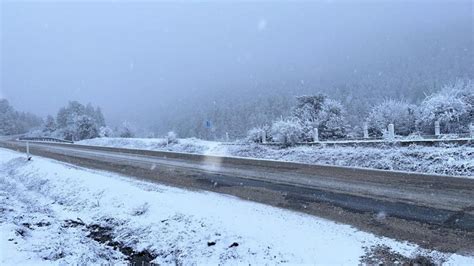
pixel 57 213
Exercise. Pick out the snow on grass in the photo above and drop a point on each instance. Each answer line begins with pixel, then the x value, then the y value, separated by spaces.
pixel 51 210
pixel 447 159
pixel 443 159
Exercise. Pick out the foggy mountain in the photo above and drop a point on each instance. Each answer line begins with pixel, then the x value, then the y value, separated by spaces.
pixel 166 66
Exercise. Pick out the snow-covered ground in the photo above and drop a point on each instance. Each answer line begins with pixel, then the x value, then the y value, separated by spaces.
pixel 444 159
pixel 191 145
pixel 52 212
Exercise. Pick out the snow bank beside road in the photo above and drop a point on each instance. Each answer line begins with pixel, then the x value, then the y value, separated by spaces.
pixel 54 212
pixel 447 159
pixel 190 145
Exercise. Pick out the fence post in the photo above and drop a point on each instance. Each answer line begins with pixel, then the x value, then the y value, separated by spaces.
pixel 391 131
pixel 437 128
pixel 28 157
pixel 315 135
pixel 227 136
pixel 471 130
pixel 366 131
pixel 264 136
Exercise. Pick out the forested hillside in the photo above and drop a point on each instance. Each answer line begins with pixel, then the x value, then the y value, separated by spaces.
pixel 14 122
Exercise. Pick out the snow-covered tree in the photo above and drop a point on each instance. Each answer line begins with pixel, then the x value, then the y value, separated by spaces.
pixel 14 122
pixel 78 122
pixel 255 134
pixel 320 112
pixel 398 113
pixel 85 128
pixel 105 132
pixel 307 112
pixel 49 125
pixel 126 130
pixel 453 107
pixel 332 121
pixel 171 138
pixel 287 132
pixel 7 118
pixel 99 117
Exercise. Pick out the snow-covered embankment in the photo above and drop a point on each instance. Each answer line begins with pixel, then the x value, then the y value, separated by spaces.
pixel 55 212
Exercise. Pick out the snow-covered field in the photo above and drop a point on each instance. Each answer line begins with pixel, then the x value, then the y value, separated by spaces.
pixel 446 159
pixel 53 212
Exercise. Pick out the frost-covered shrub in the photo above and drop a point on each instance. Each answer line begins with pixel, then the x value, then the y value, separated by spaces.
pixel 126 130
pixel 453 107
pixel 171 138
pixel 255 134
pixel 287 132
pixel 332 121
pixel 86 128
pixel 398 113
pixel 320 112
pixel 106 132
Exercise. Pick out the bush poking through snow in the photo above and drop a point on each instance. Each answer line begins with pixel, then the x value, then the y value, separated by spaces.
pixel 126 130
pixel 106 132
pixel 399 113
pixel 255 134
pixel 141 209
pixel 453 107
pixel 318 111
pixel 332 121
pixel 288 132
pixel 171 138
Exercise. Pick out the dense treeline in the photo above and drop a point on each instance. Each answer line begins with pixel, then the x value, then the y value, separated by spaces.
pixel 73 122
pixel 281 118
pixel 318 117
pixel 13 122
pixel 78 122
pixel 451 104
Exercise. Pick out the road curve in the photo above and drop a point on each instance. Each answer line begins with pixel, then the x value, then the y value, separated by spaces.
pixel 432 210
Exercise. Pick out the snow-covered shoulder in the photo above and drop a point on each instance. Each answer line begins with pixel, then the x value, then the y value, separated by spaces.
pixel 447 159
pixel 55 212
pixel 190 145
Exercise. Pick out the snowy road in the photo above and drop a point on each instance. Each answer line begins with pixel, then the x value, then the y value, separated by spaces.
pixel 434 211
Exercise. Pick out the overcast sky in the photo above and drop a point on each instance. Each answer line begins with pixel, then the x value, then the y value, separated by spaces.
pixel 140 60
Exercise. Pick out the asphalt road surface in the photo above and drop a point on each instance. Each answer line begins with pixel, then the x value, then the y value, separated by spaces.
pixel 433 211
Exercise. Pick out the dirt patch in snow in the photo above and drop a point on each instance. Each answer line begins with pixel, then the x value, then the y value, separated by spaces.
pixel 104 235
pixel 384 255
